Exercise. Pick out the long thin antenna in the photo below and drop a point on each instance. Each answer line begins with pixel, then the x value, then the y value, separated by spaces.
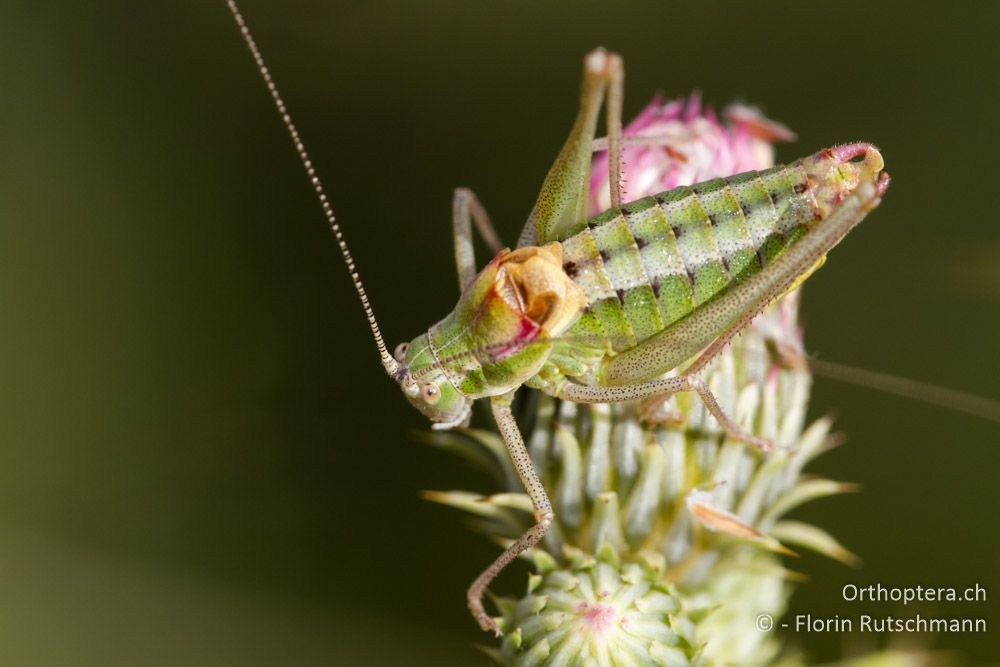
pixel 390 364
pixel 952 399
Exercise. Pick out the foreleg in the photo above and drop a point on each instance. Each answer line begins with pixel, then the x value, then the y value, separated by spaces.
pixel 539 500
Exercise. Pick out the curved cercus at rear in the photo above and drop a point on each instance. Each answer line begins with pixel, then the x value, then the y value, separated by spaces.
pixel 836 172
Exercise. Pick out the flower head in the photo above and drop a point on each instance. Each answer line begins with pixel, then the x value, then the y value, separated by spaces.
pixel 680 142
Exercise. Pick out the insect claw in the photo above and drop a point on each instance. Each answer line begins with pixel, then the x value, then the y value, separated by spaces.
pixel 486 622
pixel 654 412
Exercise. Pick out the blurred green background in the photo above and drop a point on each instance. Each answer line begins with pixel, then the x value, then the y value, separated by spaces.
pixel 201 462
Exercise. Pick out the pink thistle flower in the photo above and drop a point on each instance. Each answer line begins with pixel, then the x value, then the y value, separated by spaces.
pixel 689 144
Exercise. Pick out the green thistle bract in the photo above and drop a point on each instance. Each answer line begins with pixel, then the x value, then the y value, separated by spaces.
pixel 596 610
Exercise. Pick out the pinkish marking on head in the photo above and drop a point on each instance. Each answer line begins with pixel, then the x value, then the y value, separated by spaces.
pixel 529 329
pixel 527 335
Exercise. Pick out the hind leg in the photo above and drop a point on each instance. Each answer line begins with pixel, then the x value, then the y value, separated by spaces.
pixel 563 201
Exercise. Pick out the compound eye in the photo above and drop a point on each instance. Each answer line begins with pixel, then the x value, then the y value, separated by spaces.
pixel 430 393
pixel 400 351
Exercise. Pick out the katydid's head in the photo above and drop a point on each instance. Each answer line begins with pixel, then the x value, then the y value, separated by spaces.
pixel 426 384
pixel 834 173
pixel 498 336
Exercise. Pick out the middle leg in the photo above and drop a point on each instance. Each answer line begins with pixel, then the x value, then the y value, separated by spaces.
pixel 660 389
pixel 467 209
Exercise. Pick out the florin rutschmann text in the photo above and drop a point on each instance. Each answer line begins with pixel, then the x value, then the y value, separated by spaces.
pixel 916 624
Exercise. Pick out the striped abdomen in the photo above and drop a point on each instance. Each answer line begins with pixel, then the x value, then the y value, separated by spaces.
pixel 649 264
